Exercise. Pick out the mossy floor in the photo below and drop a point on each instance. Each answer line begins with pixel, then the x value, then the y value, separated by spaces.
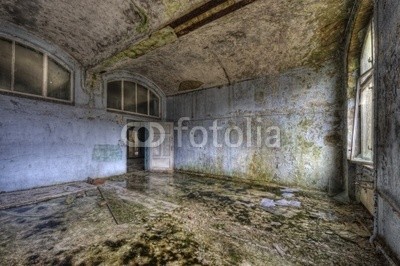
pixel 158 219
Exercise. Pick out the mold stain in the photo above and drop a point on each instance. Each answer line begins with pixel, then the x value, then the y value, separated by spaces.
pixel 144 19
pixel 308 155
pixel 171 7
pixel 156 40
pixel 329 36
pixel 334 139
pixel 258 169
pixel 18 12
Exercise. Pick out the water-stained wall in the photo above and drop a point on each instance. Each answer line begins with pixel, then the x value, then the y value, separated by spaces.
pixel 388 121
pixel 303 104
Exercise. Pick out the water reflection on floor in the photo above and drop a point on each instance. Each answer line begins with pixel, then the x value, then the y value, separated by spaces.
pixel 179 219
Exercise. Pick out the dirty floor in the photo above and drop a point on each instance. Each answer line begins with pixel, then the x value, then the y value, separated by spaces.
pixel 179 219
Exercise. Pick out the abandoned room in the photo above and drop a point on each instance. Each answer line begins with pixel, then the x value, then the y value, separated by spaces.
pixel 201 132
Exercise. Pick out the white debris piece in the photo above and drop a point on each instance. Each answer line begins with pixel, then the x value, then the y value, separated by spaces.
pixel 288 203
pixel 288 195
pixel 268 203
pixel 289 190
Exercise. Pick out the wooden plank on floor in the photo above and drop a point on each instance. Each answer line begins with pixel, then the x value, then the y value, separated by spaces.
pixel 26 197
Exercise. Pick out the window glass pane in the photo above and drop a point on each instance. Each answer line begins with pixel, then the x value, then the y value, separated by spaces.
pixel 367 56
pixel 129 96
pixel 142 100
pixel 154 105
pixel 366 106
pixel 28 70
pixel 114 96
pixel 59 81
pixel 5 64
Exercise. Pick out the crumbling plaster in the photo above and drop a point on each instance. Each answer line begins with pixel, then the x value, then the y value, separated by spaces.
pixel 303 103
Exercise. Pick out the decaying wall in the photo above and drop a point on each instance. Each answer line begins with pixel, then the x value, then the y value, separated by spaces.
pixel 303 103
pixel 47 143
pixel 388 121
pixel 44 143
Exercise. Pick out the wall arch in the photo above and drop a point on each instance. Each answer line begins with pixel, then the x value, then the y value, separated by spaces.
pixel 140 79
pixel 20 35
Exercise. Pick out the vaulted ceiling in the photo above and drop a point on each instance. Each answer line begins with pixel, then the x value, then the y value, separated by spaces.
pixel 188 44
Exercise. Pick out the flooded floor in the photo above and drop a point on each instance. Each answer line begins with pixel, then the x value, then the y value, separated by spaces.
pixel 179 219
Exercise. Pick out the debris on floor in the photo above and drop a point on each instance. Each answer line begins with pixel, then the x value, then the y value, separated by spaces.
pixel 177 219
pixel 288 195
pixel 270 203
pixel 288 203
pixel 96 181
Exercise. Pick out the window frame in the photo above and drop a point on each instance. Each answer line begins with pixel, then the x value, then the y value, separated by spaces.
pixel 46 55
pixel 136 82
pixel 356 153
pixel 363 83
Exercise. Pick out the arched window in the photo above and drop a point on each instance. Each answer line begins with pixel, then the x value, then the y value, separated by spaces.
pixel 27 70
pixel 363 133
pixel 132 97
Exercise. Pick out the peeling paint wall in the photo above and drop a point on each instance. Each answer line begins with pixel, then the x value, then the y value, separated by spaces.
pixel 388 121
pixel 304 104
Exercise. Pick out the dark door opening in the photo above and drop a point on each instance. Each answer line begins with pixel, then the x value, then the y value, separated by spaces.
pixel 136 154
